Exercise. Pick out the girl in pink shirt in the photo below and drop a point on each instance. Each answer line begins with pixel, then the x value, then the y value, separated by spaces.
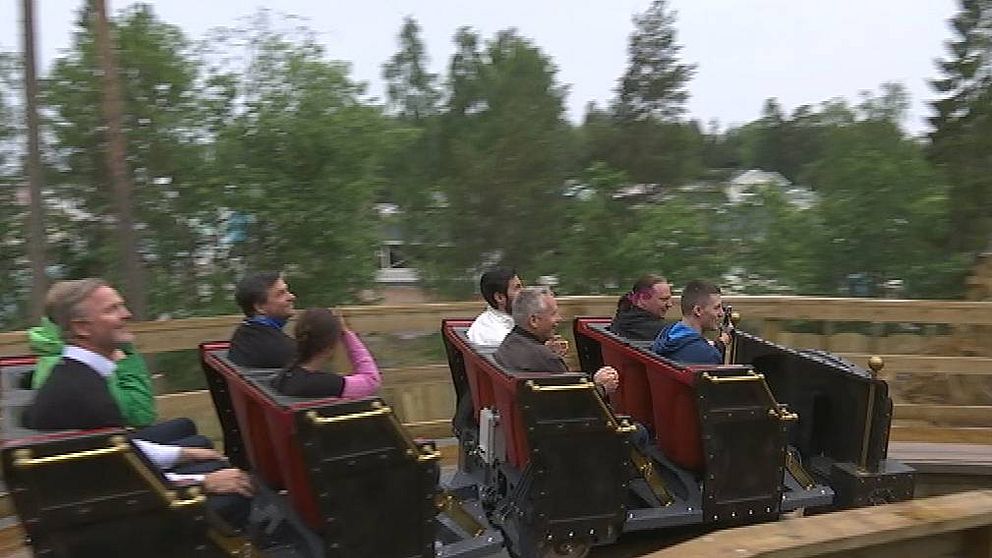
pixel 318 332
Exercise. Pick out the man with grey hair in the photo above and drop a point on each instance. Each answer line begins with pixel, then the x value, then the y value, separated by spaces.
pixel 535 318
pixel 93 320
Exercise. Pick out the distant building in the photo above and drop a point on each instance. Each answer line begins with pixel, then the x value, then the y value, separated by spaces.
pixel 746 185
pixel 397 281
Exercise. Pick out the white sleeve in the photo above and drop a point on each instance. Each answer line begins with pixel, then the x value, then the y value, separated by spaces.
pixel 181 478
pixel 163 456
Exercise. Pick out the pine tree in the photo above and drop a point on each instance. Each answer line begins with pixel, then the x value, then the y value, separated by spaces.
pixel 654 84
pixel 410 88
pixel 962 136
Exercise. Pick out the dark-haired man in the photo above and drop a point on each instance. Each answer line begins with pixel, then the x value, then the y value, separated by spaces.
pixel 499 287
pixel 267 302
pixel 683 341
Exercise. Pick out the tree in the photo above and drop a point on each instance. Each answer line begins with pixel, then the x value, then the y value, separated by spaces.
pixel 160 119
pixel 884 211
pixel 303 159
pixel 501 157
pixel 675 238
pixel 410 88
pixel 644 136
pixel 587 260
pixel 413 172
pixel 14 264
pixel 654 84
pixel 962 135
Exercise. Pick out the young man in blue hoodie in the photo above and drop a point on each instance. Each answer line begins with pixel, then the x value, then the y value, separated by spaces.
pixel 683 341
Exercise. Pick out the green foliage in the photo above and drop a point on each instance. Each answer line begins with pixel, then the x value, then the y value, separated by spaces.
pixel 649 150
pixel 158 79
pixel 588 260
pixel 962 136
pixel 255 150
pixel 642 134
pixel 304 159
pixel 654 85
pixel 13 261
pixel 501 158
pixel 411 89
pixel 885 212
pixel 609 243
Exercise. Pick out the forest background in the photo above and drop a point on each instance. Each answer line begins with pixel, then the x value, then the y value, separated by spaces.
pixel 252 149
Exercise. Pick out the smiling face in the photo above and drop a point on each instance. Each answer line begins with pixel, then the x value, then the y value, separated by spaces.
pixel 101 325
pixel 543 324
pixel 710 313
pixel 278 301
pixel 658 301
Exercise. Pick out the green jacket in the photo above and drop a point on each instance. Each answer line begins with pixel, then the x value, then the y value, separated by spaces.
pixel 130 384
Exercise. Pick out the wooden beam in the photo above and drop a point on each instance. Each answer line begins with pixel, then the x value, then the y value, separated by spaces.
pixel 926 364
pixel 923 528
pixel 915 433
pixel 171 335
pixel 830 309
pixel 946 415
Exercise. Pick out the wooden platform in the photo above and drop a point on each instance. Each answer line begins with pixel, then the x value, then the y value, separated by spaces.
pixel 946 468
pixel 957 525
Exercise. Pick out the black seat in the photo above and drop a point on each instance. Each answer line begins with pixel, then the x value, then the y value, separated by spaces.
pixel 93 494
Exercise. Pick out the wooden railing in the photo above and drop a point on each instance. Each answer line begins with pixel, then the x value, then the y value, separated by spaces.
pixel 939 527
pixel 940 372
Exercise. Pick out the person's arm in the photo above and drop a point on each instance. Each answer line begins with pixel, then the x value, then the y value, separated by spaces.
pixel 222 481
pixel 131 387
pixel 364 379
pixel 162 455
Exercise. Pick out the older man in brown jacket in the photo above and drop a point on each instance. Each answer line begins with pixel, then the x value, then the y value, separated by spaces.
pixel 535 318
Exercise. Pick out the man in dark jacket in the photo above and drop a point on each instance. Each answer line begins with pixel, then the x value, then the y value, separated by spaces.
pixel 94 320
pixel 535 318
pixel 260 342
pixel 640 312
pixel 683 341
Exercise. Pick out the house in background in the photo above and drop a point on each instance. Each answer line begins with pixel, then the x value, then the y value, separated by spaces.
pixel 746 185
pixel 396 282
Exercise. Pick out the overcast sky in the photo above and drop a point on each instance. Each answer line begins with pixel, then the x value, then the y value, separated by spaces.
pixel 800 51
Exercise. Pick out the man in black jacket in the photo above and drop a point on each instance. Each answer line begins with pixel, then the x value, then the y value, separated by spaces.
pixel 93 322
pixel 640 312
pixel 535 318
pixel 260 342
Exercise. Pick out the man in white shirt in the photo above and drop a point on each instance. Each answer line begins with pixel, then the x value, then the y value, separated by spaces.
pixel 499 287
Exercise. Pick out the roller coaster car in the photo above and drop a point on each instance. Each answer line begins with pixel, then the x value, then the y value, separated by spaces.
pixel 835 415
pixel 91 493
pixel 560 470
pixel 355 483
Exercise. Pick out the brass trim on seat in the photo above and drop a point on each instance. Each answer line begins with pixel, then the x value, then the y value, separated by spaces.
pixel 564 387
pixel 119 446
pixel 749 377
pixel 318 420
pixel 23 459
